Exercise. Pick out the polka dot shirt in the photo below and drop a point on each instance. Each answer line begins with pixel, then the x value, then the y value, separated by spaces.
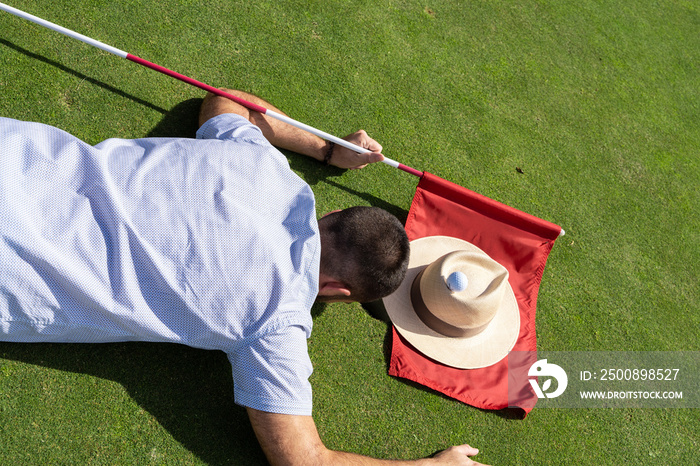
pixel 209 242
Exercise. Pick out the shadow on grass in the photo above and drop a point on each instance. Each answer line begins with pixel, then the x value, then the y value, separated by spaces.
pixel 82 76
pixel 188 391
pixel 181 121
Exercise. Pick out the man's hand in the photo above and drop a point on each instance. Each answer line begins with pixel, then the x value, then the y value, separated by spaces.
pixel 290 440
pixel 346 158
pixel 289 137
pixel 458 455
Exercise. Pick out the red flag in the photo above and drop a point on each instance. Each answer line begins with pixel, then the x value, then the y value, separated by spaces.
pixel 519 242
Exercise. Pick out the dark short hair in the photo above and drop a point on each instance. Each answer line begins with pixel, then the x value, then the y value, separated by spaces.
pixel 365 248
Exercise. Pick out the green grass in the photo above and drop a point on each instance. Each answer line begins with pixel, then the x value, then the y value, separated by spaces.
pixel 597 103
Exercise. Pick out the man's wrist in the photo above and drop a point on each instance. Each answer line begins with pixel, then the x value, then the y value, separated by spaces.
pixel 328 153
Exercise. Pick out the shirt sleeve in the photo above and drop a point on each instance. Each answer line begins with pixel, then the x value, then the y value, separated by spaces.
pixel 231 126
pixel 271 373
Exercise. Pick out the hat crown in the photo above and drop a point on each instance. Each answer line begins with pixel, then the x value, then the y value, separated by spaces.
pixel 472 308
pixel 464 348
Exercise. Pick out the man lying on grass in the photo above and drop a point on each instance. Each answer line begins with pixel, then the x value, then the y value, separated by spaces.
pixel 210 242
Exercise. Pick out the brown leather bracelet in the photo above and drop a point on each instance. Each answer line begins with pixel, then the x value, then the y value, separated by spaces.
pixel 329 153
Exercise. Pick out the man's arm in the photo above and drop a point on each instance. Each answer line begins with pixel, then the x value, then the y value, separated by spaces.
pixel 294 440
pixel 288 137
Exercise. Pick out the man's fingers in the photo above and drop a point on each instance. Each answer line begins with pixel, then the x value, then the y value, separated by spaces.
pixel 374 157
pixel 367 158
pixel 458 455
pixel 362 139
pixel 461 450
pixel 466 450
pixel 374 146
pixel 345 158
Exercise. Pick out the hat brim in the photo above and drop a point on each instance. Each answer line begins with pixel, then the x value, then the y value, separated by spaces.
pixel 482 350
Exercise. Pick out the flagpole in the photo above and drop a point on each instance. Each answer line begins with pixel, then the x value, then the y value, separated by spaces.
pixel 201 85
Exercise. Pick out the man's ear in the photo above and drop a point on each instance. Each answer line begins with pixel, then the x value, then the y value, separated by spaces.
pixel 327 286
pixel 332 288
pixel 331 212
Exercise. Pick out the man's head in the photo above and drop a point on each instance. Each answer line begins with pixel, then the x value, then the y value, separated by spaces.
pixel 364 254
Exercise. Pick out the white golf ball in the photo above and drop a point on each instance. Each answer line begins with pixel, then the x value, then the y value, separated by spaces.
pixel 457 281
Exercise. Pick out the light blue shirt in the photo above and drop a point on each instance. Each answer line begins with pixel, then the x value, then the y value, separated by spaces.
pixel 209 242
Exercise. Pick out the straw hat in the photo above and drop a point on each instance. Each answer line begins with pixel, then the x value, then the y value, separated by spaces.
pixel 455 304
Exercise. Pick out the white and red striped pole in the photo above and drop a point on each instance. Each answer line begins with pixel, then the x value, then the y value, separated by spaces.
pixel 201 85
